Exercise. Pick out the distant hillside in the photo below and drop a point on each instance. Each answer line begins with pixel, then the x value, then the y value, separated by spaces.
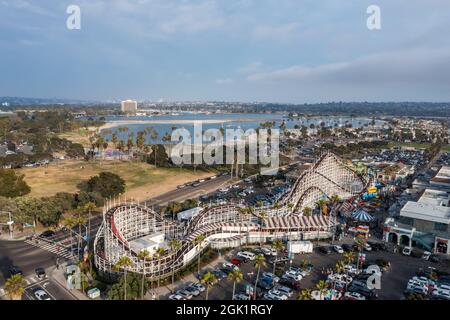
pixel 22 101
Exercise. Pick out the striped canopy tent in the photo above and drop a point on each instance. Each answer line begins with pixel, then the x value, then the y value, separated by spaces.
pixel 346 209
pixel 363 216
pixel 298 222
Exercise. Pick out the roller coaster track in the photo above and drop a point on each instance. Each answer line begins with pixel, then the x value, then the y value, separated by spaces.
pixel 229 224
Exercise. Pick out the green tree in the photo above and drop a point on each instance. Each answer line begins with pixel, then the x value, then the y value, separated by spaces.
pixel 15 287
pixel 208 280
pixel 260 262
pixel 321 286
pixel 175 245
pixel 305 294
pixel 143 255
pixel 160 252
pixel 12 185
pixel 237 276
pixel 278 246
pixel 198 241
pixel 124 263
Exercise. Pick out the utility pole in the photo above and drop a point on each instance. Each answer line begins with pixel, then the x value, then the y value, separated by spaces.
pixel 9 223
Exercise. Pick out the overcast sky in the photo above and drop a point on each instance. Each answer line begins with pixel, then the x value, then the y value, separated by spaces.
pixel 237 50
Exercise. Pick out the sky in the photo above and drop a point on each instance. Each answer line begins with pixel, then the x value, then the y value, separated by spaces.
pixel 286 51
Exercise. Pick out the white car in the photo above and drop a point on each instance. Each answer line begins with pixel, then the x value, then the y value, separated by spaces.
pixel 350 269
pixel 442 294
pixel 275 295
pixel 284 290
pixel 224 190
pixel 241 296
pixel 199 287
pixel 338 249
pixel 229 266
pixel 269 251
pixel 246 255
pixel 426 255
pixel 185 294
pixel 367 247
pixel 354 296
pixel 293 275
pixel 176 297
pixel 41 295
pixel 407 251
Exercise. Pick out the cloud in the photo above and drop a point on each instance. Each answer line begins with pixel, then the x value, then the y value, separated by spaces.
pixel 224 81
pixel 275 33
pixel 26 5
pixel 420 66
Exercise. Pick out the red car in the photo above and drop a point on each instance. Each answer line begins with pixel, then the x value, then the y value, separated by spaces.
pixel 237 261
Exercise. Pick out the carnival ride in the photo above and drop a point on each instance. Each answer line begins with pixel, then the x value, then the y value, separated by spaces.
pixel 225 225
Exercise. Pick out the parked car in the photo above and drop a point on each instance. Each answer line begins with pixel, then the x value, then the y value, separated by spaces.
pixel 192 290
pixel 293 275
pixel 434 258
pixel 347 247
pixel 228 267
pixel 367 247
pixel 15 270
pixel 200 287
pixel 41 294
pixel 284 290
pixel 175 296
pixel 219 274
pixel 274 296
pixel 246 255
pixel 241 296
pixel 407 251
pixel 280 295
pixel 279 260
pixel 237 261
pixel 353 296
pixel 338 249
pixel 325 250
pixel 271 276
pixel 40 273
pixel 291 283
pixel 185 294
pixel 47 234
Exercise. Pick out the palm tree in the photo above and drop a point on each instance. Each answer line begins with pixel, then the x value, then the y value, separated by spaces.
pixel 143 255
pixel 124 263
pixel 15 287
pixel 348 257
pixel 208 280
pixel 263 215
pixel 198 241
pixel 360 243
pixel 260 262
pixel 340 266
pixel 175 244
pixel 237 276
pixel 320 204
pixel 114 139
pixel 278 246
pixel 89 207
pixel 69 223
pixel 160 252
pixel 322 287
pixel 307 211
pixel 305 294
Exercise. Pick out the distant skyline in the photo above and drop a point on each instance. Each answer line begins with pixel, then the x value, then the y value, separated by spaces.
pixel 282 51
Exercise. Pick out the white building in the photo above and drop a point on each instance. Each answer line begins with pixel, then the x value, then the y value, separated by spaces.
pixel 424 223
pixel 129 106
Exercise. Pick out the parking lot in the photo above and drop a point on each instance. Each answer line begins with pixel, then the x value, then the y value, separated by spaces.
pixel 393 281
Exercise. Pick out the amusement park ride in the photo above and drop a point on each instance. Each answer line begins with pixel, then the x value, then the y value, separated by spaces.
pixel 130 227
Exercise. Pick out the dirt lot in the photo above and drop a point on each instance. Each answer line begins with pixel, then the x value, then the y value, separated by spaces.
pixel 143 181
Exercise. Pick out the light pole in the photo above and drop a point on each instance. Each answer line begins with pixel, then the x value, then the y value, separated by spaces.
pixel 9 223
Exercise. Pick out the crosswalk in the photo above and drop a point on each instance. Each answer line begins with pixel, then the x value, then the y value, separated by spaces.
pixel 57 249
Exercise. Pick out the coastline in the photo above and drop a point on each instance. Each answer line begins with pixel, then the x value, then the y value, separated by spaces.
pixel 118 123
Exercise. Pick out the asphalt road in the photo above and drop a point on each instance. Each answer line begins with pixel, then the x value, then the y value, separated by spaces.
pixel 189 192
pixel 23 255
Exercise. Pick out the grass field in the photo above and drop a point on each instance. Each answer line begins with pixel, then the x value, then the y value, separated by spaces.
pixel 143 181
pixel 79 136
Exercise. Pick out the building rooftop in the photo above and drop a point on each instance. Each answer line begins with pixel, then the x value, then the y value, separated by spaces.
pixel 426 211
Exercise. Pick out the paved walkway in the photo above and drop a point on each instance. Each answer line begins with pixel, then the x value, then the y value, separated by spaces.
pixel 58 276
